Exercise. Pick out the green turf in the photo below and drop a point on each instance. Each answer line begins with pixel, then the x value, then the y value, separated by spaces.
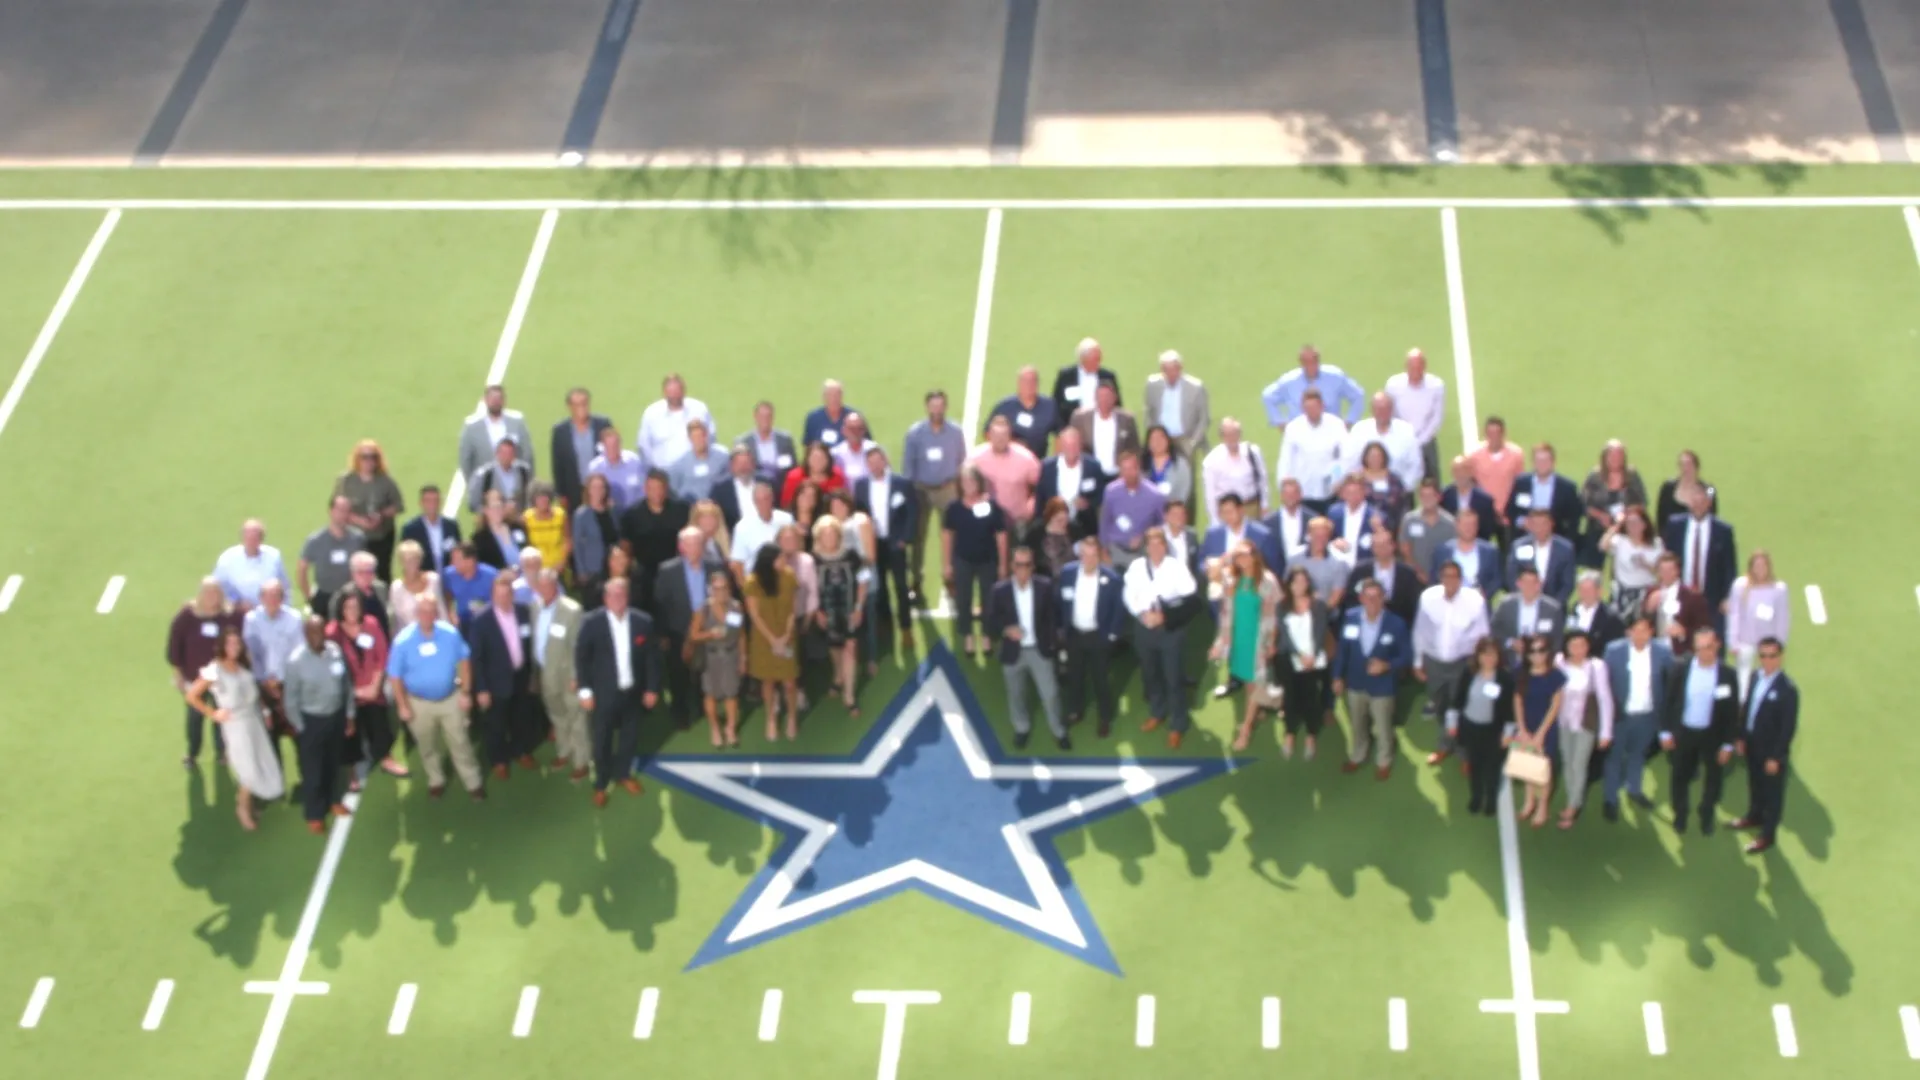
pixel 214 368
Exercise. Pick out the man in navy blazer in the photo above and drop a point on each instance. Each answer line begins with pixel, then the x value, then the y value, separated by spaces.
pixel 1089 616
pixel 1637 667
pixel 1021 617
pixel 1546 490
pixel 1685 535
pixel 615 694
pixel 888 499
pixel 1546 551
pixel 1230 526
pixel 578 434
pixel 1075 384
pixel 1697 730
pixel 733 493
pixel 1479 561
pixel 1073 475
pixel 436 535
pixel 1770 717
pixel 1352 542
pixel 1466 494
pixel 1396 577
pixel 501 640
pixel 1373 649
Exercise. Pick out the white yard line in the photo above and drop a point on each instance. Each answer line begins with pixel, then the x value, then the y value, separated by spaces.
pixel 111 596
pixel 157 1005
pixel 1397 1025
pixel 509 336
pixel 1270 1023
pixel 1816 606
pixel 49 329
pixel 770 1016
pixel 37 1002
pixel 1524 1007
pixel 402 1008
pixel 1913 228
pixel 10 590
pixel 893 1027
pixel 1656 1025
pixel 1731 202
pixel 523 1016
pixel 982 328
pixel 1020 1020
pixel 1783 1031
pixel 1916 592
pixel 1143 1011
pixel 1909 1026
pixel 649 1008
pixel 289 986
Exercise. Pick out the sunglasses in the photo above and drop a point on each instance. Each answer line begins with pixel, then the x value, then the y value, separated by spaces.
pixel 1538 650
pixel 1769 656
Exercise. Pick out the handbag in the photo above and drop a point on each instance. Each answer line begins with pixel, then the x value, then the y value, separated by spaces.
pixel 1527 765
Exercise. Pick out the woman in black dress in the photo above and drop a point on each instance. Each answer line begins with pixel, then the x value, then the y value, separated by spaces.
pixel 843 599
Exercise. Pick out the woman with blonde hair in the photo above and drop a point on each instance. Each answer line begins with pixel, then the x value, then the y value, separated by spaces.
pixel 1757 609
pixel 718 631
pixel 843 596
pixel 1249 599
pixel 225 692
pixel 376 502
pixel 1610 488
pixel 414 579
pixel 706 517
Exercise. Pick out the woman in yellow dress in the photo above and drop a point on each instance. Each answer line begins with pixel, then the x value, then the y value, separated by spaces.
pixel 773 647
pixel 549 531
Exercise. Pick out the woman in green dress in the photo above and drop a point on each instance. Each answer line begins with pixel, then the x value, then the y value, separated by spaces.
pixel 1249 594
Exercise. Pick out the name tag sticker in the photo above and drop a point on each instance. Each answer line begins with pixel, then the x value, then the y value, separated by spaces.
pixel 1087 484
pixel 209 630
pixel 1386 639
pixel 1066 591
pixel 829 436
pixel 365 641
pixel 733 618
pixel 1523 499
pixel 934 453
pixel 1380 486
pixel 1164 487
pixel 1721 693
pixel 1352 633
pixel 864 577
pixel 1416 529
pixel 785 461
pixel 557 632
pixel 1525 552
pixel 1073 393
pixel 982 508
pixel 1763 611
pixel 429 649
pixel 337 558
pixel 340 669
pixel 1771 694
pixel 1125 523
pixel 448 543
pixel 1671 608
pixel 1024 420
pixel 526 631
pixel 1491 691
pixel 899 500
pixel 701 469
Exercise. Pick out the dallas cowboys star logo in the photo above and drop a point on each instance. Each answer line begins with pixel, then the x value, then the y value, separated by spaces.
pixel 927 801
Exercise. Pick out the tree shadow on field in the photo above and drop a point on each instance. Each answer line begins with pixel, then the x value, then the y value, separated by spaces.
pixel 1614 187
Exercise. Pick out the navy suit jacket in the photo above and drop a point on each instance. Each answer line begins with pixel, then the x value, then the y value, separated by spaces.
pixel 1557 582
pixel 1042 421
pixel 1264 542
pixel 723 497
pixel 1394 645
pixel 1622 681
pixel 1405 601
pixel 1725 725
pixel 1002 612
pixel 1605 629
pixel 902 509
pixel 1108 609
pixel 1364 543
pixel 569 474
pixel 1479 502
pixel 1770 735
pixel 1567 508
pixel 597 669
pixel 819 423
pixel 1490 580
pixel 1070 376
pixel 493 669
pixel 416 530
pixel 1722 560
pixel 1085 522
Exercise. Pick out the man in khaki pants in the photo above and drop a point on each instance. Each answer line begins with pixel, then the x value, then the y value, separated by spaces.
pixel 556 624
pixel 429 674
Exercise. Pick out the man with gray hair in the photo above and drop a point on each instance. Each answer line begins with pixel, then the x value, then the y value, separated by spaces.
pixel 827 424
pixel 1178 402
pixel 1588 614
pixel 1073 388
pixel 556 625
pixel 1235 467
pixel 272 632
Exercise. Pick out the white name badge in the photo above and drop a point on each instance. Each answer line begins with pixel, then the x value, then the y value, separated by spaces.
pixel 1523 553
pixel 1763 611
pixel 785 461
pixel 526 631
pixel 864 577
pixel 476 605
pixel 1523 499
pixel 429 649
pixel 1024 420
pixel 934 453
pixel 733 618
pixel 1087 484
pixel 1492 691
pixel 1671 608
pixel 448 543
pixel 1416 529
pixel 1721 693
pixel 1125 523
pixel 557 632
pixel 982 508
pixel 364 641
pixel 337 558
pixel 1386 639
pixel 340 669
pixel 209 630
pixel 830 436
pixel 1073 393
pixel 1066 591
pixel 519 537
pixel 1164 487
pixel 700 470
pixel 1380 486
pixel 1366 541
pixel 1352 633
pixel 899 500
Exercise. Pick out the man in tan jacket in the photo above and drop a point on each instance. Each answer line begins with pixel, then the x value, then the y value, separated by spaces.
pixel 556 623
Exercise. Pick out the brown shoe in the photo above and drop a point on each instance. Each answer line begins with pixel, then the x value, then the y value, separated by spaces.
pixel 632 785
pixel 316 827
pixel 599 798
pixel 1383 772
pixel 906 639
pixel 1153 724
pixel 1438 756
pixel 478 794
pixel 340 810
pixel 1173 740
pixel 578 774
pixel 1349 766
pixel 500 772
pixel 559 762
pixel 436 792
pixel 526 762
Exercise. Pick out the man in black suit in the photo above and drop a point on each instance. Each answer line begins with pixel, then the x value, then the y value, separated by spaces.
pixel 617 666
pixel 1396 578
pixel 733 494
pixel 1021 615
pixel 1704 545
pixel 1697 732
pixel 1772 717
pixel 436 535
pixel 653 526
pixel 888 499
pixel 1588 614
pixel 1073 475
pixel 575 442
pixel 679 590
pixel 1090 616
pixel 1073 387
pixel 501 640
pixel 1548 491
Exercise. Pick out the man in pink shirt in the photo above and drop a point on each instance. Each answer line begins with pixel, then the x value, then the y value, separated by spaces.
pixel 1011 471
pixel 1497 463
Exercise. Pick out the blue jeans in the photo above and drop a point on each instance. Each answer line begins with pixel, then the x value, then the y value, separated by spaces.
pixel 1633 736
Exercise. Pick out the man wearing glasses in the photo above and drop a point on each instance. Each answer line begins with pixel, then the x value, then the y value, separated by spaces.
pixel 1021 616
pixel 1769 719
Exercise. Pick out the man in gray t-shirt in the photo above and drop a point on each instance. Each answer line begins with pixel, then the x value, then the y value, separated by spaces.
pixel 323 569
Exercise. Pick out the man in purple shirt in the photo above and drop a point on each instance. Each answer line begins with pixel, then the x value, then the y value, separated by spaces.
pixel 1129 508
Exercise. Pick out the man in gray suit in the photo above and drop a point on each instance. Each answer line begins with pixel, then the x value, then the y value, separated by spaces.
pixel 1525 612
pixel 1178 402
pixel 487 427
pixel 1637 667
pixel 1106 429
pixel 773 449
pixel 556 624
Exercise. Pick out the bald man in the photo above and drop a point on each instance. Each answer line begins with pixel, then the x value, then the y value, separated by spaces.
pixel 1235 467
pixel 244 567
pixel 1033 417
pixel 1421 400
pixel 1178 402
pixel 1073 388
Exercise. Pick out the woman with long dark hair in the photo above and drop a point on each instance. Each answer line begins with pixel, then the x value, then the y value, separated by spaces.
pixel 1480 720
pixel 1536 719
pixel 773 647
pixel 1302 650
pixel 227 694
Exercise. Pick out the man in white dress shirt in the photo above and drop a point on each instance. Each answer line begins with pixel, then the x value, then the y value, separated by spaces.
pixel 758 527
pixel 243 568
pixel 1178 402
pixel 486 428
pixel 1235 467
pixel 1395 435
pixel 662 434
pixel 850 453
pixel 1310 451
pixel 1421 400
pixel 1451 620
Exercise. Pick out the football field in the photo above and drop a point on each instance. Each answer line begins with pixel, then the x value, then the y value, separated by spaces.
pixel 186 349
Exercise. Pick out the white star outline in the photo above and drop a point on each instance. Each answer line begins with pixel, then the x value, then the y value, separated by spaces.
pixel 1052 916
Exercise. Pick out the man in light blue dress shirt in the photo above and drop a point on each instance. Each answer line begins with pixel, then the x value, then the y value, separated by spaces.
pixel 244 567
pixel 1344 397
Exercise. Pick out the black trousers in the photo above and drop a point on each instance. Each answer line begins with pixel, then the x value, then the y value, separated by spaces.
pixel 890 577
pixel 1309 693
pixel 382 552
pixel 512 723
pixel 1480 745
pixel 1766 796
pixel 196 733
pixel 616 736
pixel 1089 659
pixel 967 579
pixel 320 741
pixel 1695 752
pixel 373 731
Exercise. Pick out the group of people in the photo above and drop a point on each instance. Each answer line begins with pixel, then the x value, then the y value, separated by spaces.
pixel 1561 630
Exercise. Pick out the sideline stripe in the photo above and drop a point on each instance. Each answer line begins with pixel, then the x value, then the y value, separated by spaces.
pixel 596 84
pixel 1912 215
pixel 523 1016
pixel 1436 80
pixel 1020 1020
pixel 509 336
pixel 402 1008
pixel 1816 606
pixel 982 328
pixel 1270 1023
pixel 10 590
pixel 37 1002
pixel 1397 1024
pixel 112 594
pixel 770 1016
pixel 1909 1026
pixel 1656 1025
pixel 1783 1031
pixel 157 1005
pixel 38 351
pixel 649 1008
pixel 1143 1021
pixel 1457 314
pixel 1705 202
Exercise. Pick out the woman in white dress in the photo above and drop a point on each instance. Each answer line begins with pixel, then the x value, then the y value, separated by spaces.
pixel 234 704
pixel 1634 545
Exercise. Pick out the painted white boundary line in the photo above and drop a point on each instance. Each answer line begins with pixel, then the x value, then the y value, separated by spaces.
pixel 1020 1019
pixel 37 1002
pixel 111 596
pixel 157 1005
pixel 10 590
pixel 1909 1026
pixel 509 336
pixel 982 328
pixel 1457 316
pixel 289 985
pixel 1397 1025
pixel 893 1026
pixel 770 1016
pixel 402 1008
pixel 1912 215
pixel 1731 202
pixel 649 1008
pixel 1656 1025
pixel 1816 606
pixel 1783 1031
pixel 49 329
pixel 1143 1014
pixel 523 1016
pixel 1270 1023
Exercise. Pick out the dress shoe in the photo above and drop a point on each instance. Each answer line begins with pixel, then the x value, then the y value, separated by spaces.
pixel 1760 845
pixel 559 762
pixel 1493 808
pixel 500 772
pixel 578 774
pixel 1173 740
pixel 600 798
pixel 1706 823
pixel 478 794
pixel 436 791
pixel 316 827
pixel 1610 811
pixel 1383 772
pixel 632 785
pixel 1438 756
pixel 1103 729
pixel 1743 824
pixel 1473 806
pixel 1066 742
pixel 526 761
pixel 1349 766
pixel 1640 800
pixel 1020 739
pixel 1153 724
pixel 340 810
pixel 1680 824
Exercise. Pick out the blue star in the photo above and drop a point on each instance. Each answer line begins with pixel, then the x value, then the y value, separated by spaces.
pixel 928 802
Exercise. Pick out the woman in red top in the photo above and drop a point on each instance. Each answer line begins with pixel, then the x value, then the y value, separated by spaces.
pixel 364 644
pixel 815 465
